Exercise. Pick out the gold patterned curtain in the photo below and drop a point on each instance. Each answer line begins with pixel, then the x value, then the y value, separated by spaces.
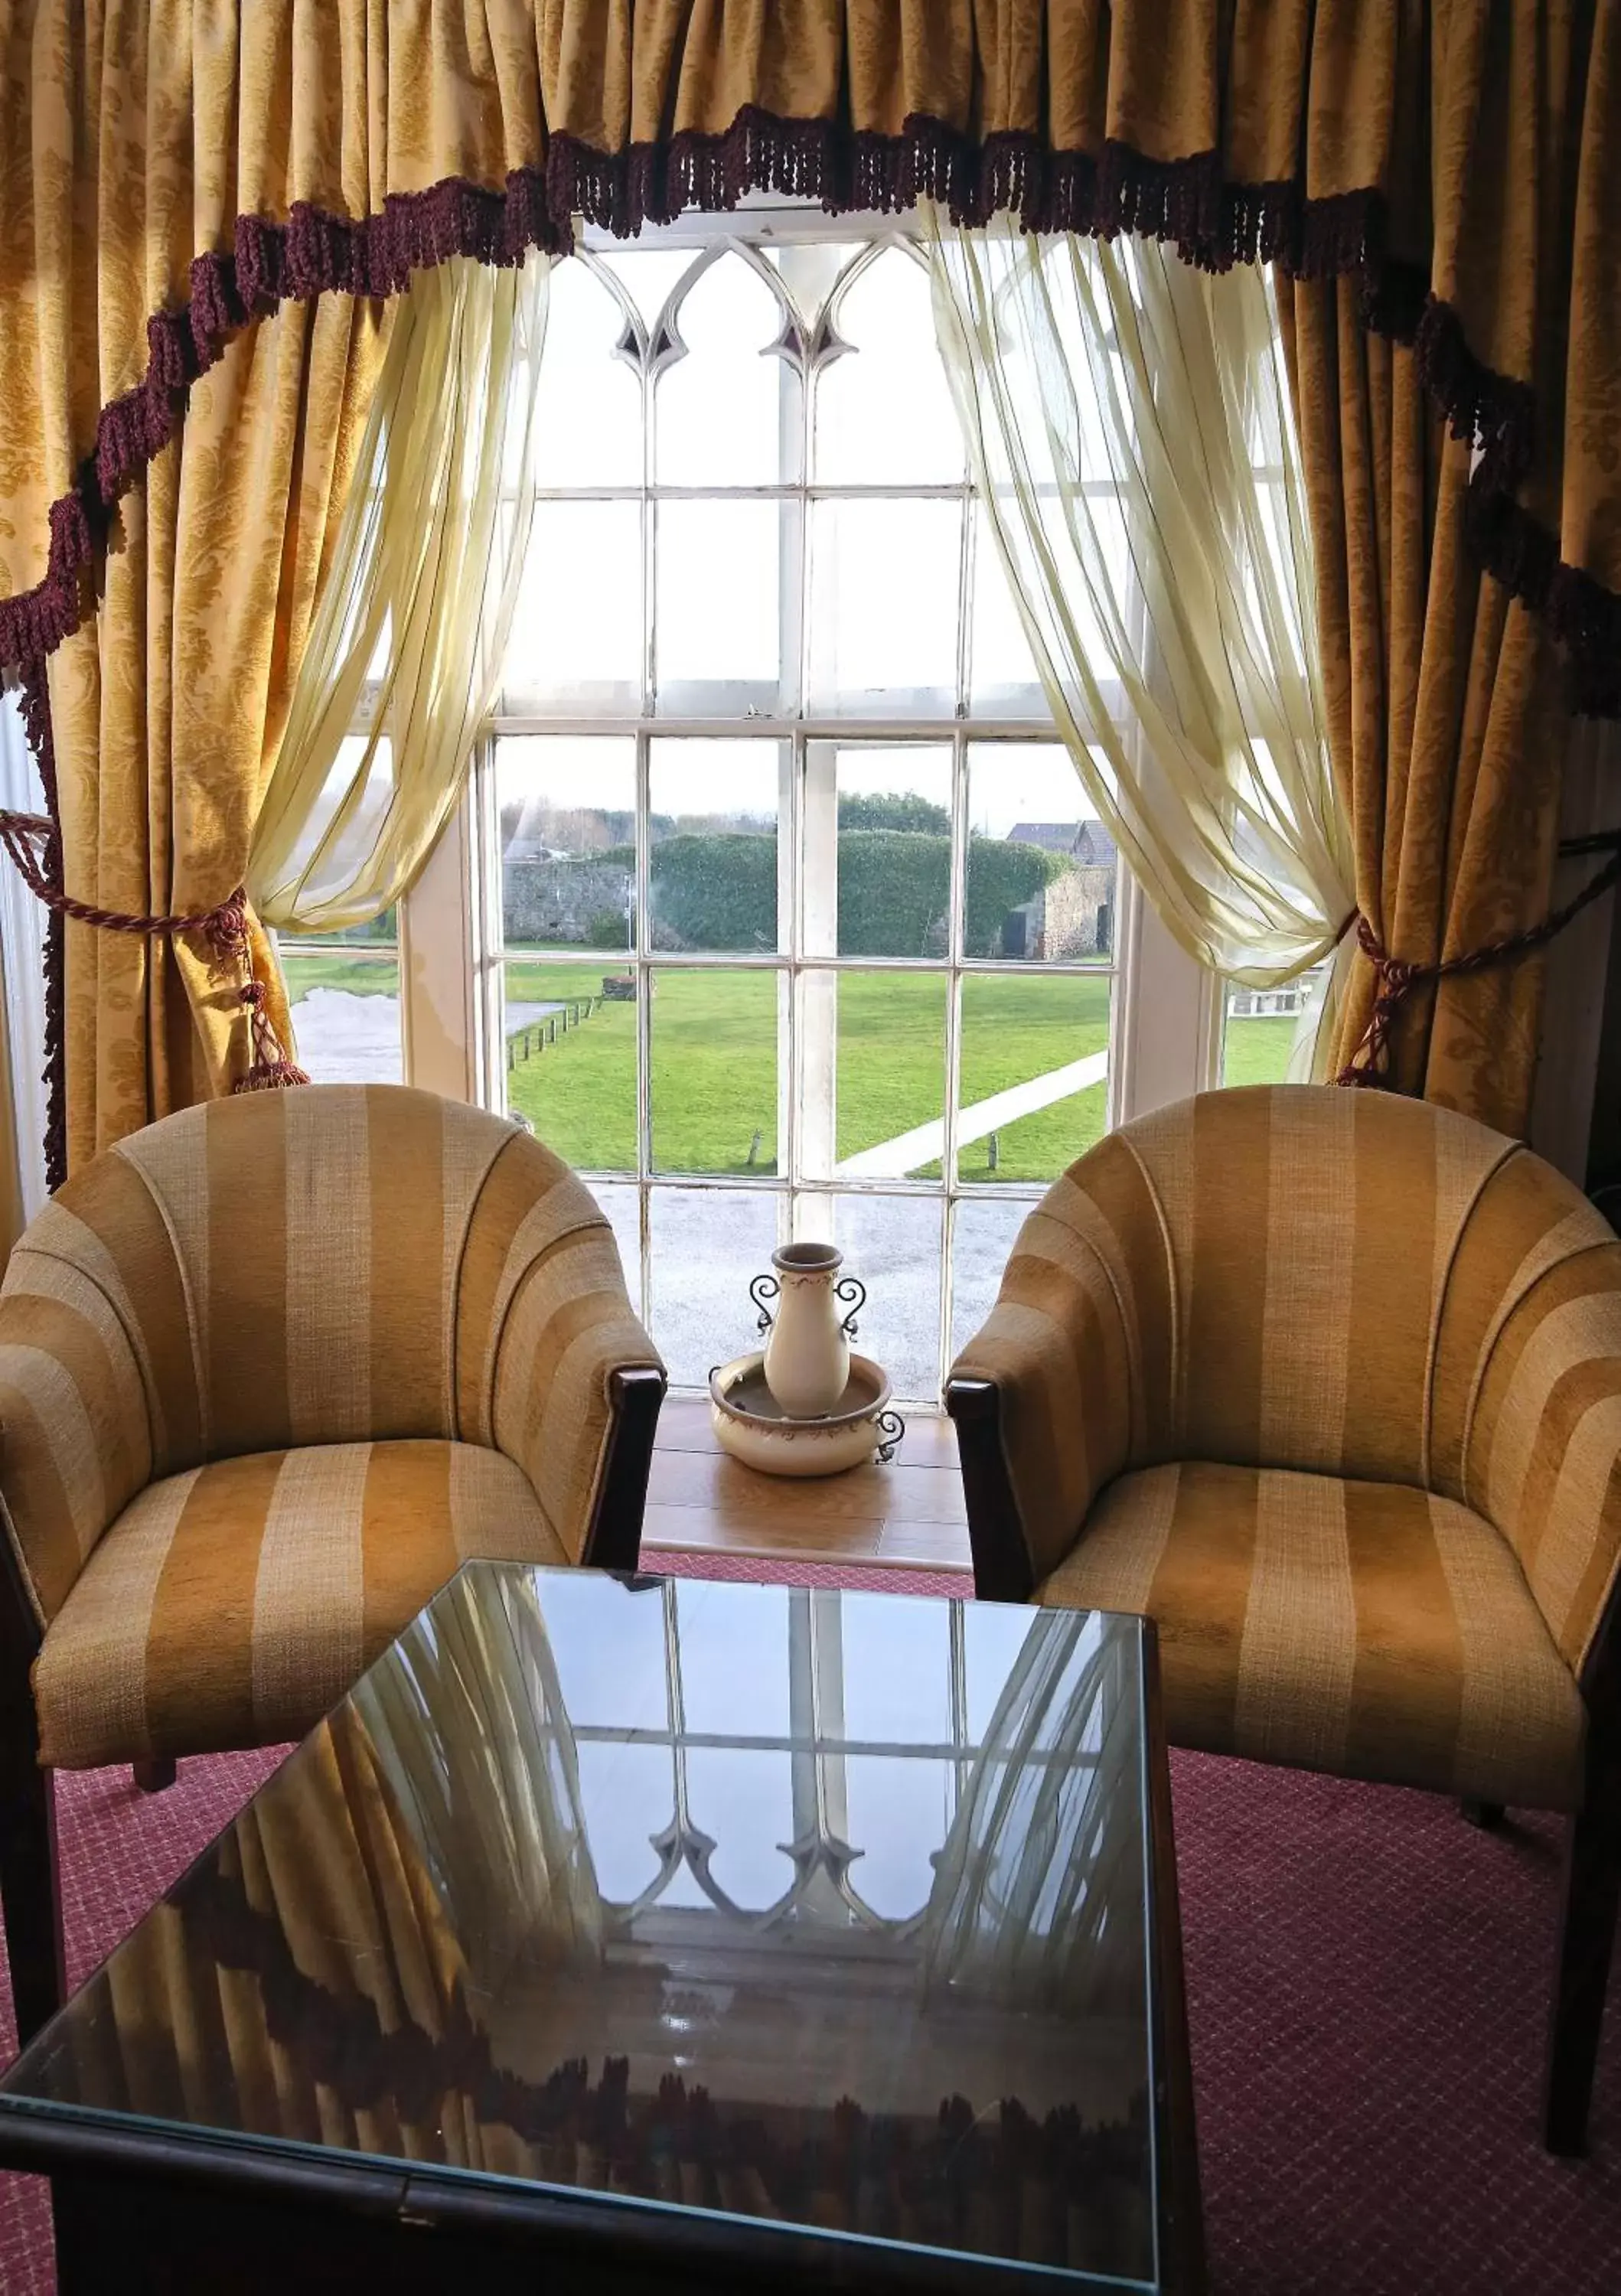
pixel 171 179
pixel 167 708
pixel 1441 699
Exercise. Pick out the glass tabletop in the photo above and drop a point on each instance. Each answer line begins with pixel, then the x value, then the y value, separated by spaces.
pixel 830 1910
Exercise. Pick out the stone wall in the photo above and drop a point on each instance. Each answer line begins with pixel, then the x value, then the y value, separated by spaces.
pixel 566 900
pixel 1064 916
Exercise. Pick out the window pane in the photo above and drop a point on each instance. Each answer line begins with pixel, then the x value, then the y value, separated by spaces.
pixel 884 606
pixel 719 643
pixel 1035 1060
pixel 571 1061
pixel 884 412
pixel 707 1244
pixel 877 850
pixel 745 1802
pixel 588 404
pixel 1004 679
pixel 1263 1025
pixel 629 1795
pixel 732 1645
pixel 568 840
pixel 344 992
pixel 715 1071
pixel 896 1671
pixel 1002 682
pixel 567 872
pixel 648 275
pixel 982 1238
pixel 600 1690
pixel 882 1061
pixel 900 1814
pixel 994 1637
pixel 576 632
pixel 1041 872
pixel 728 416
pixel 1258 1039
pixel 713 863
pixel 892 1244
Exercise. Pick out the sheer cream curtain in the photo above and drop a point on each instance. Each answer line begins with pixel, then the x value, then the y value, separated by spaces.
pixel 471 1726
pixel 409 637
pixel 1127 423
pixel 1037 1900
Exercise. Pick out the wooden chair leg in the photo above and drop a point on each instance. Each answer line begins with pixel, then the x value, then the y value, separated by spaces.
pixel 1488 1816
pixel 153 1773
pixel 28 1879
pixel 1591 1896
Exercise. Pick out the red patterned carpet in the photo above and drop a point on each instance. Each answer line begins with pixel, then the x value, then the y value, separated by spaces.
pixel 1367 1979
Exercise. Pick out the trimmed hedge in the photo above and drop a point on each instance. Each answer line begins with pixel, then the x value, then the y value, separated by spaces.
pixel 1002 877
pixel 716 891
pixel 720 891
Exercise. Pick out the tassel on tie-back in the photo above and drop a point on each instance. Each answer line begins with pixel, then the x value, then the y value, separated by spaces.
pixel 30 839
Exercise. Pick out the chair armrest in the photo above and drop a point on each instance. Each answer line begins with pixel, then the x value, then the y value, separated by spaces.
pixel 75 1430
pixel 1543 1459
pixel 613 1541
pixel 1042 1398
pixel 1003 1572
pixel 578 1388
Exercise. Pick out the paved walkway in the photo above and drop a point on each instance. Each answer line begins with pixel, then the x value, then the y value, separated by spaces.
pixel 892 1160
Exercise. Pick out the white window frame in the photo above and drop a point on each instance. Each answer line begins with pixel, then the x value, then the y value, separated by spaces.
pixel 1166 1018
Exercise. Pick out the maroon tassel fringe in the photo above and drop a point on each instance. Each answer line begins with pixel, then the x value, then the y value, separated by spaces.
pixel 1211 223
pixel 268 1068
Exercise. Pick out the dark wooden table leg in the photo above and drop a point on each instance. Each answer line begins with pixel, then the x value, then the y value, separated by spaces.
pixel 153 1774
pixel 28 1877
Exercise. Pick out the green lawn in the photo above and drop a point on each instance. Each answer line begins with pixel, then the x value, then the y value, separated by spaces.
pixel 714 1077
pixel 1257 1052
pixel 1018 1028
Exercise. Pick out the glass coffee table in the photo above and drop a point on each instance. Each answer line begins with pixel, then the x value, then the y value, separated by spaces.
pixel 659 1933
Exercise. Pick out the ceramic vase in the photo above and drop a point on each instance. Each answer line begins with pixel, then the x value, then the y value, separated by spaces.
pixel 807 1355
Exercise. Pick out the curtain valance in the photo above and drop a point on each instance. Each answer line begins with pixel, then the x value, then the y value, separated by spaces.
pixel 168 174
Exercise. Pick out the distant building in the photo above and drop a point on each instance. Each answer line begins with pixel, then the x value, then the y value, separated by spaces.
pixel 1073 916
pixel 1085 841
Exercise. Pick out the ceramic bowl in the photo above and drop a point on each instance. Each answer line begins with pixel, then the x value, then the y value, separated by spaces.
pixel 752 1426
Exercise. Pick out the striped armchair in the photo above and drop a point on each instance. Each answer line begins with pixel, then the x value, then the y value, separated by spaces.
pixel 1329 1384
pixel 269 1372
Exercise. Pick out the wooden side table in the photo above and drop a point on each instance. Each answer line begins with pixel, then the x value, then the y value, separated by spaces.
pixel 910 1513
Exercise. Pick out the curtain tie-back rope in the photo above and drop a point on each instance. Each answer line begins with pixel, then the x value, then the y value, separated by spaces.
pixel 30 839
pixel 1394 977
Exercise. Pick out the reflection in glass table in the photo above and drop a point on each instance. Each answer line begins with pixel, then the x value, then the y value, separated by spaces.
pixel 728 1921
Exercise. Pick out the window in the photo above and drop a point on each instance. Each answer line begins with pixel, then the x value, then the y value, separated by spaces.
pixel 344 991
pixel 1262 1027
pixel 806 929
pixel 780 912
pixel 863 1742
